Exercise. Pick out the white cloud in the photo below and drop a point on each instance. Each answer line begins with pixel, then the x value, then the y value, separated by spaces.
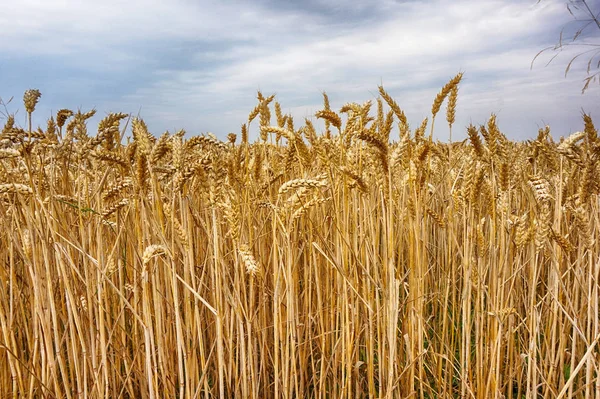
pixel 51 25
pixel 229 49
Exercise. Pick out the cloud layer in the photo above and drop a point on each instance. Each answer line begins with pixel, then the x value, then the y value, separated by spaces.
pixel 198 64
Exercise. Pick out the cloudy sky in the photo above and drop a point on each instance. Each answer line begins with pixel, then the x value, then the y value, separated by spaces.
pixel 197 64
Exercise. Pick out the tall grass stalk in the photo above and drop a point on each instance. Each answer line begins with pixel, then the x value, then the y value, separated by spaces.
pixel 303 265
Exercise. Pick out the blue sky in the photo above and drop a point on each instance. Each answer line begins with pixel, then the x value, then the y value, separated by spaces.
pixel 196 65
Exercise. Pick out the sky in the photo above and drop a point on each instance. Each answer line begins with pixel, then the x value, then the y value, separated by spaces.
pixel 197 65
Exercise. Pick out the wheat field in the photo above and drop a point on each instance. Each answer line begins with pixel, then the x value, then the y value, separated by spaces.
pixel 360 260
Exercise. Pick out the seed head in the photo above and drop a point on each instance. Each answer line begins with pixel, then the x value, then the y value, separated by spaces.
pixel 30 98
pixel 62 116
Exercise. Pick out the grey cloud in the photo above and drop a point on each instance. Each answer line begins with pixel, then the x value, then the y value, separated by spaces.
pixel 198 65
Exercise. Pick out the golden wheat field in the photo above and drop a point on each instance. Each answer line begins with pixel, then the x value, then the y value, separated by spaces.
pixel 363 260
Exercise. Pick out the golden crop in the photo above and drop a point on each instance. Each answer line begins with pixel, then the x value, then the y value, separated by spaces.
pixel 364 261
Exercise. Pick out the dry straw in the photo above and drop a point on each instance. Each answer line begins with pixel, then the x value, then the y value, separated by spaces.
pixel 367 261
